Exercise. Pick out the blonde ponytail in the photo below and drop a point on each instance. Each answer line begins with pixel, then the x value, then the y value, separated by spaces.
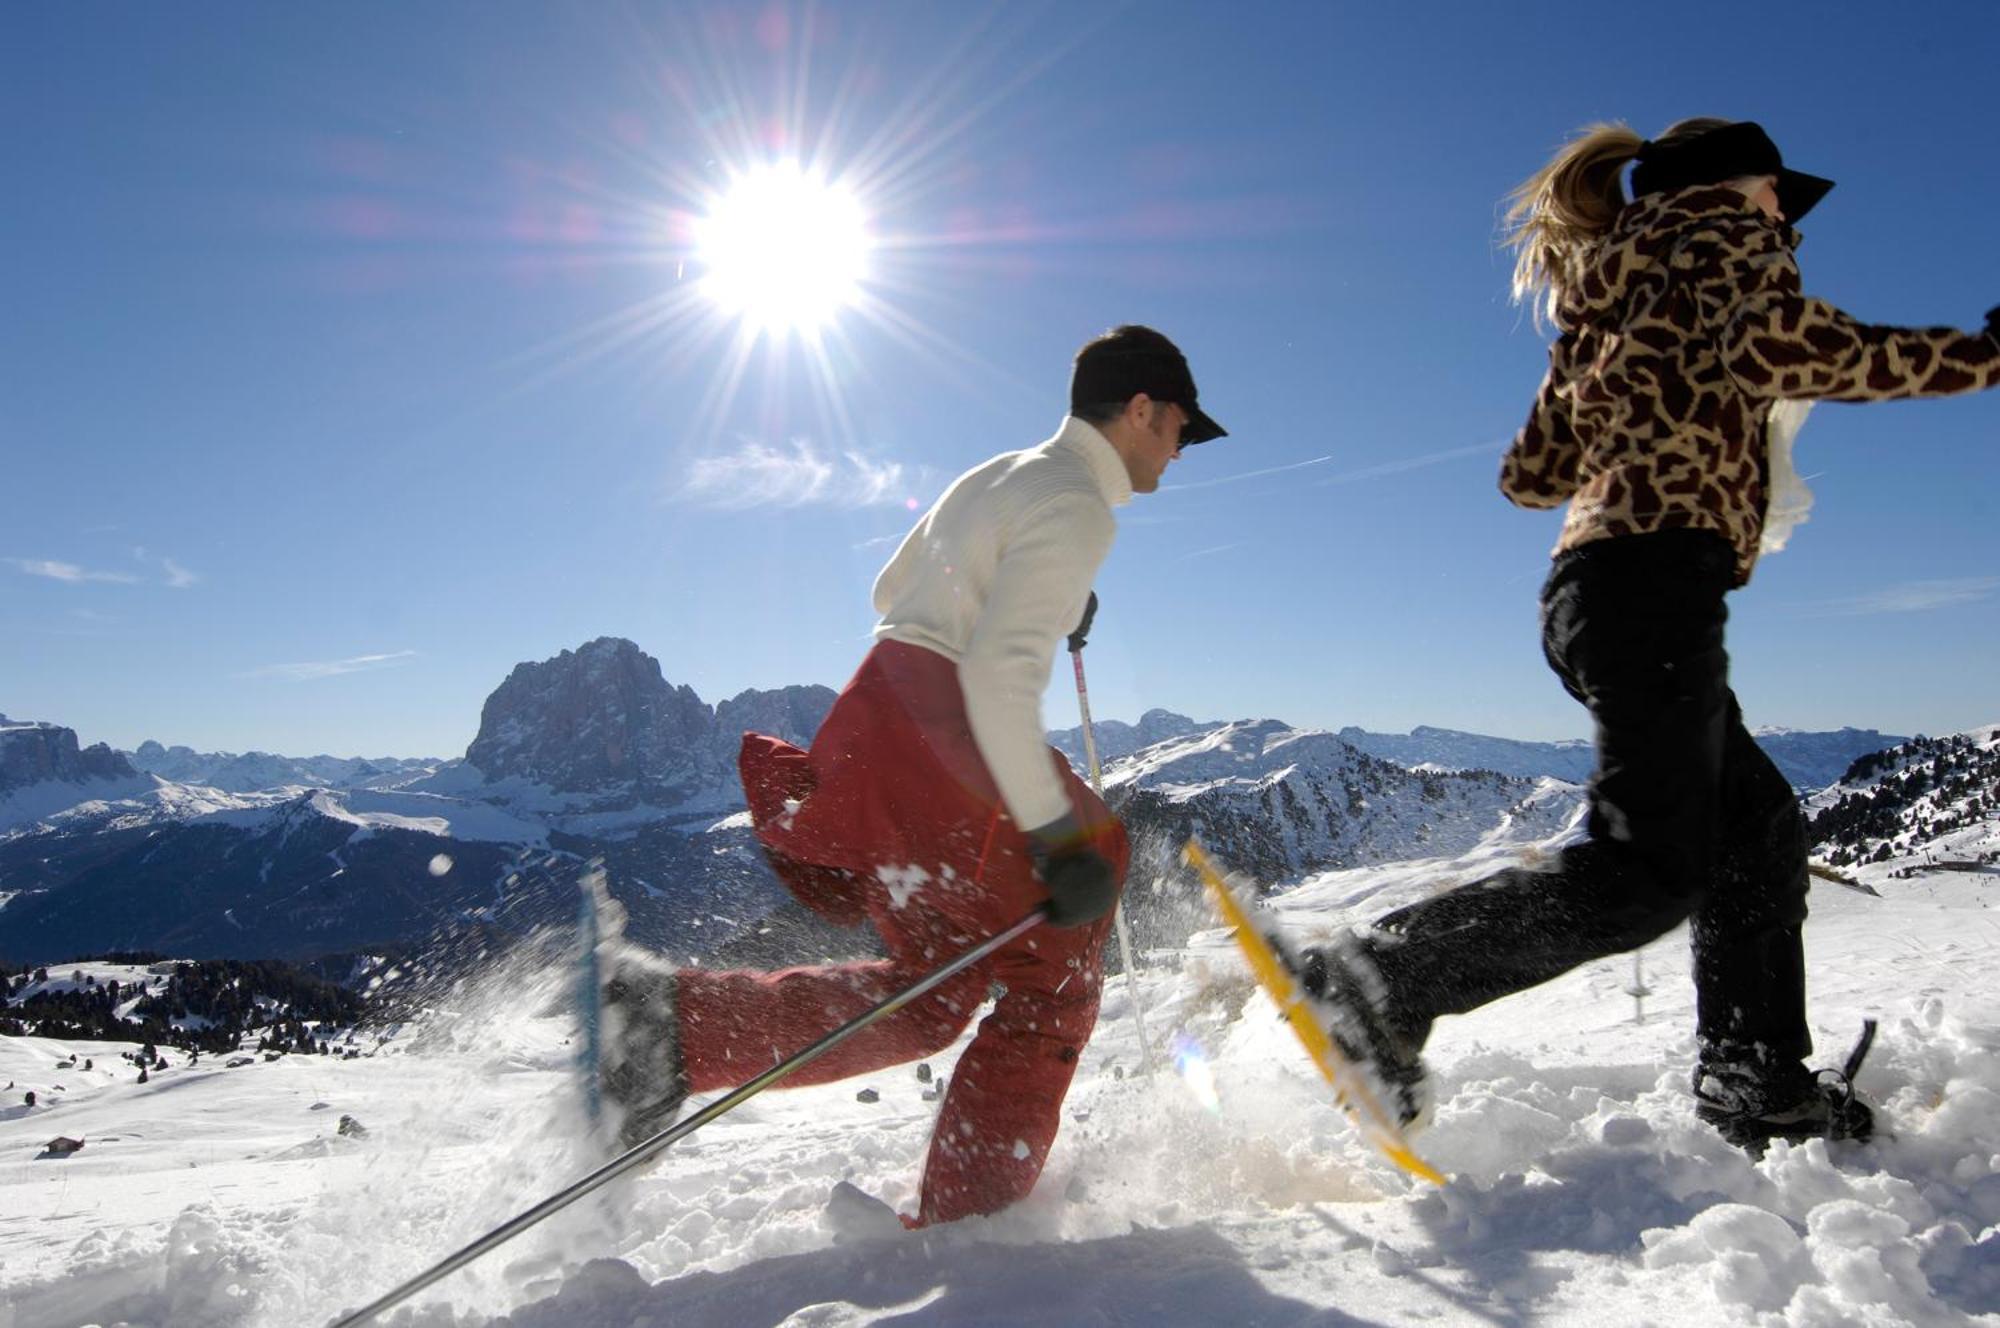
pixel 1556 213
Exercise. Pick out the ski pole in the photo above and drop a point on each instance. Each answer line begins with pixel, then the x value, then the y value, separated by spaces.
pixel 645 1151
pixel 1124 929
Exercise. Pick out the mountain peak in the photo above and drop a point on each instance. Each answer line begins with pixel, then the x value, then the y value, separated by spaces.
pixel 602 720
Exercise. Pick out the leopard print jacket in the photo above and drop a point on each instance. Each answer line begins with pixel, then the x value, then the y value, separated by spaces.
pixel 1686 324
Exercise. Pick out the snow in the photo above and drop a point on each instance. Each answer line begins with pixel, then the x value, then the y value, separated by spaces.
pixel 471 821
pixel 540 808
pixel 53 797
pixel 77 976
pixel 371 810
pixel 123 804
pixel 1583 1189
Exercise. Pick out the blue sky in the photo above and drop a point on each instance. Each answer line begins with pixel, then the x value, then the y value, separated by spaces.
pixel 353 354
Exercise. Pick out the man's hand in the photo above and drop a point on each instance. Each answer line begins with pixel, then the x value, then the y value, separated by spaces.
pixel 1082 887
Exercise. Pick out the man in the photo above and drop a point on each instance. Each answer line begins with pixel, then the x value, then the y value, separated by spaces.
pixel 931 806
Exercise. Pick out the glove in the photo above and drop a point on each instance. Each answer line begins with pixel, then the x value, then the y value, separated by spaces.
pixel 1081 884
pixel 1992 330
pixel 1076 638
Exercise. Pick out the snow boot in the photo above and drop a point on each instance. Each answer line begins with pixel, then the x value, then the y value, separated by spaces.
pixel 1750 1102
pixel 1352 998
pixel 643 1079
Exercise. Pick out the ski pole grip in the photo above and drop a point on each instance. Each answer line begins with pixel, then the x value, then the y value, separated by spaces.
pixel 1077 638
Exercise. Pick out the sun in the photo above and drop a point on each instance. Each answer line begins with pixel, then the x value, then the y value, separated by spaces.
pixel 783 249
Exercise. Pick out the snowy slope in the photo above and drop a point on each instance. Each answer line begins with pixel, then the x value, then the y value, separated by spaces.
pixel 1928 801
pixel 1583 1190
pixel 43 801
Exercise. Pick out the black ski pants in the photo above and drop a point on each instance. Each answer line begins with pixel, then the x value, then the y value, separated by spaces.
pixel 1689 819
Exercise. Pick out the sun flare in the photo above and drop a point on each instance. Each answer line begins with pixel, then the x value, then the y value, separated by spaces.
pixel 782 249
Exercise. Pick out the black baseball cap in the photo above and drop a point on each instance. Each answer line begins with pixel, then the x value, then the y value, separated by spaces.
pixel 1128 360
pixel 1726 153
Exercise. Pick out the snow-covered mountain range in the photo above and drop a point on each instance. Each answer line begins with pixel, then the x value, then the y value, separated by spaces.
pixel 1810 760
pixel 593 754
pixel 249 772
pixel 1280 803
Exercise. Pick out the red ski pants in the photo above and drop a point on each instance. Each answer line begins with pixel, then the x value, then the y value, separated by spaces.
pixel 891 817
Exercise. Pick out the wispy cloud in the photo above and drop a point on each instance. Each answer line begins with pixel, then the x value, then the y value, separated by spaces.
pixel 176 576
pixel 801 474
pixel 171 572
pixel 1912 597
pixel 1366 472
pixel 1211 551
pixel 70 572
pixel 1247 474
pixel 327 668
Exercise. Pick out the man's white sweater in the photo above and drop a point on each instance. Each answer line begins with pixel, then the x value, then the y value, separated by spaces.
pixel 996 574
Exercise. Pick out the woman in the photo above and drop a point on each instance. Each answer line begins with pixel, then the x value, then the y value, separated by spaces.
pixel 1684 353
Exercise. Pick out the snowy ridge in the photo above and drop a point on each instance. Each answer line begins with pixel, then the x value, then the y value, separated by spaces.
pixel 1115 738
pixel 1810 760
pixel 1281 801
pixel 1814 760
pixel 150 800
pixel 249 772
pixel 1450 749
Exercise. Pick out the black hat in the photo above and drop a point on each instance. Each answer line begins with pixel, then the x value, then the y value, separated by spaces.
pixel 1728 153
pixel 1126 361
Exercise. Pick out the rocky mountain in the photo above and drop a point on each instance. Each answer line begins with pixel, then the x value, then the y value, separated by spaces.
pixel 1924 802
pixel 247 772
pixel 43 771
pixel 602 723
pixel 35 753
